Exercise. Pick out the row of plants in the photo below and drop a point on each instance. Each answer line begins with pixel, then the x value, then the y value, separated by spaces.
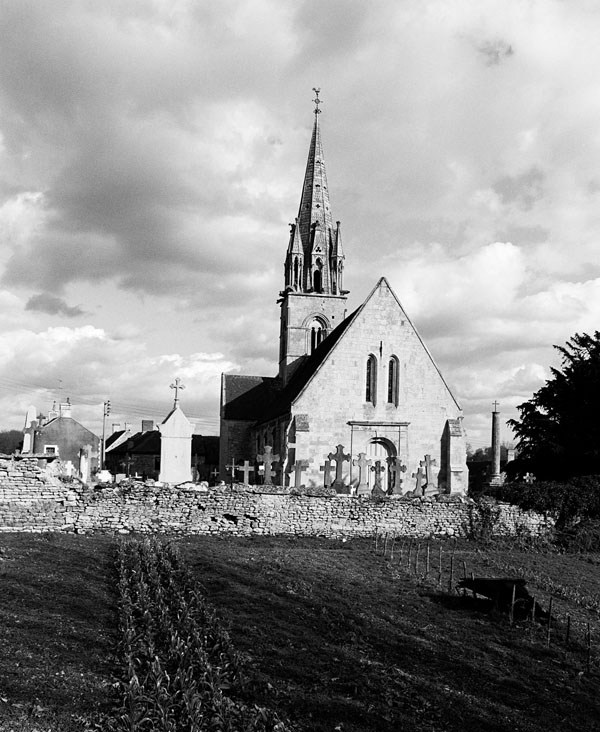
pixel 181 672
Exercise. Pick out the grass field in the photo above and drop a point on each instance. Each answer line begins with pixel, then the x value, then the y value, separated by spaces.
pixel 335 635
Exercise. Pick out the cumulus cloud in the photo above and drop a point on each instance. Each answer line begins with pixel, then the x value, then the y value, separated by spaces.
pixel 152 154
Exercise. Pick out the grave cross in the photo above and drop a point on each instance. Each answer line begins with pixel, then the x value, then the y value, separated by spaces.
pixel 428 464
pixel 326 470
pixel 529 478
pixel 246 469
pixel 299 467
pixel 268 459
pixel 363 464
pixel 378 469
pixel 396 468
pixel 215 474
pixel 178 386
pixel 419 475
pixel 339 457
pixel 231 469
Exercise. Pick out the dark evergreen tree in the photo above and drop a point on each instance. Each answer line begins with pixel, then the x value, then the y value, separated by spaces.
pixel 10 440
pixel 559 427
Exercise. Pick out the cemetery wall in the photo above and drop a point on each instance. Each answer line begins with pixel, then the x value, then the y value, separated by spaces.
pixel 33 500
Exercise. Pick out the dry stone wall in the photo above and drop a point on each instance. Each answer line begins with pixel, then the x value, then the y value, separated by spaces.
pixel 33 500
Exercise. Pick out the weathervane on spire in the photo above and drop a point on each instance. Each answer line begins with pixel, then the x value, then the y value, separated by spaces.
pixel 317 101
pixel 177 386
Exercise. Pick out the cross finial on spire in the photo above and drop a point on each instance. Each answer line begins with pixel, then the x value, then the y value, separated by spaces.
pixel 317 101
pixel 495 405
pixel 177 386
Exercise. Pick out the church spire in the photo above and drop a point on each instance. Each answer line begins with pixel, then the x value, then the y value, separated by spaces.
pixel 314 230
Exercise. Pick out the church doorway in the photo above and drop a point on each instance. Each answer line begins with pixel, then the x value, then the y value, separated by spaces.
pixel 379 450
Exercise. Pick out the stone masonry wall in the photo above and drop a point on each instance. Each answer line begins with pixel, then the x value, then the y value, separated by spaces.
pixel 31 500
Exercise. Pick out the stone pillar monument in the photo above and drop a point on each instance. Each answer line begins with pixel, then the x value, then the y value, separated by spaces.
pixel 496 476
pixel 176 444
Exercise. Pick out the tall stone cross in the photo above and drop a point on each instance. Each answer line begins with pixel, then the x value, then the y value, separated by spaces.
pixel 363 464
pixel 246 469
pixel 215 474
pixel 419 475
pixel 339 457
pixel 378 469
pixel 326 470
pixel 428 464
pixel 299 467
pixel 268 459
pixel 396 469
pixel 178 386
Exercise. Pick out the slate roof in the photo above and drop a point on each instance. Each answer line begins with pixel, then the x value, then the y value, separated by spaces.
pixel 248 396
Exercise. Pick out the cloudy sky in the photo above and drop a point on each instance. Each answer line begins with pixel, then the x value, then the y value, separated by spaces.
pixel 152 154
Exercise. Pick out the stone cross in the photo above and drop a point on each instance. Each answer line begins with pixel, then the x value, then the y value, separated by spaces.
pixel 378 469
pixel 419 475
pixel 339 457
pixel 396 468
pixel 215 474
pixel 246 469
pixel 268 459
pixel 363 465
pixel 529 478
pixel 299 467
pixel 326 470
pixel 428 464
pixel 178 386
pixel 231 468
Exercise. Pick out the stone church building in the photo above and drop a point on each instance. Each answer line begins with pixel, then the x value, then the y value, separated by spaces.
pixel 359 403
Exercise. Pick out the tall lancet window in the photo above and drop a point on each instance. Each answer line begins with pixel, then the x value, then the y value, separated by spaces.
pixel 371 385
pixel 393 381
pixel 317 333
pixel 318 277
pixel 296 270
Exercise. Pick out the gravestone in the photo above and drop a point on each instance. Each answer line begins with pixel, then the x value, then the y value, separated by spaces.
pixel 246 469
pixel 268 459
pixel 299 467
pixel 377 469
pixel 396 469
pixel 339 457
pixel 326 470
pixel 363 464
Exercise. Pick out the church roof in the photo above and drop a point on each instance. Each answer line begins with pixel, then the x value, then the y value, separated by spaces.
pixel 245 397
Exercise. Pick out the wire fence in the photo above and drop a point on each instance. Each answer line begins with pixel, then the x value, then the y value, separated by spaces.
pixel 438 565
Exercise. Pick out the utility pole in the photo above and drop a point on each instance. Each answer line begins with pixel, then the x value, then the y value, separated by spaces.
pixel 105 413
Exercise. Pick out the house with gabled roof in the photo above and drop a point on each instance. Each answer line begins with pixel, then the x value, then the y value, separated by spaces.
pixel 359 402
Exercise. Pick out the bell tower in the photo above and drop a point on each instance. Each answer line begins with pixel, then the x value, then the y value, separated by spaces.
pixel 313 301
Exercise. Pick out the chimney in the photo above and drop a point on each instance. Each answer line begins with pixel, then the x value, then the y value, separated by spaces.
pixel 52 413
pixel 147 425
pixel 127 426
pixel 115 427
pixel 65 408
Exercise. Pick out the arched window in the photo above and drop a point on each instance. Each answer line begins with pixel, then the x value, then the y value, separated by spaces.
pixel 393 381
pixel 317 332
pixel 371 385
pixel 317 283
pixel 296 272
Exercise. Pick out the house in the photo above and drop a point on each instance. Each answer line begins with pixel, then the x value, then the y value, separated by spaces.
pixel 358 403
pixel 59 434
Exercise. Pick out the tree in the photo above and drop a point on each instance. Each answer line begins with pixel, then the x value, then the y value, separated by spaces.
pixel 10 440
pixel 559 427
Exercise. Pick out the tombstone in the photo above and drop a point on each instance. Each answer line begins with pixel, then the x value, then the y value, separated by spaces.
pixel 326 470
pixel 175 448
pixel 419 476
pixel 268 458
pixel 396 469
pixel 363 464
pixel 339 457
pixel 246 469
pixel 430 487
pixel 377 469
pixel 29 430
pixel 299 467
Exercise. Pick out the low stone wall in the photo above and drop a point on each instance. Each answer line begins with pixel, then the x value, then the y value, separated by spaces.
pixel 32 500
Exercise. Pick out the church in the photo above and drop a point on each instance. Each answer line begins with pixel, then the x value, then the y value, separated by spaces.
pixel 359 405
